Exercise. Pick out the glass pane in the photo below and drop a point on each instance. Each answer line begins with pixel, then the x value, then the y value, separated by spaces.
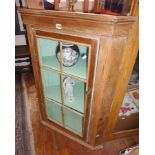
pixel 73 121
pixel 47 52
pixel 54 111
pixel 129 112
pixel 74 59
pixel 74 93
pixel 115 7
pixel 51 83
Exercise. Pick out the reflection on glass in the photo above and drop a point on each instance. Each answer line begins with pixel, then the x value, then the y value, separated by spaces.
pixel 73 121
pixel 51 83
pixel 47 50
pixel 54 111
pixel 74 93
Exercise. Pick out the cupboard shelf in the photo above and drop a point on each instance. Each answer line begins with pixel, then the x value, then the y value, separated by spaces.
pixel 63 74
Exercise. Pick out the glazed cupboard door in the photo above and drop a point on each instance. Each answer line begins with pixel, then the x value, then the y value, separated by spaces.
pixel 66 79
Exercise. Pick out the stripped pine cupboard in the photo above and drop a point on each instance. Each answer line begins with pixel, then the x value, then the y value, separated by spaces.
pixel 77 62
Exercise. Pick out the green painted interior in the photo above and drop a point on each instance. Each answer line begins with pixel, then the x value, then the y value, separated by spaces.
pixel 47 53
pixel 54 111
pixel 80 68
pixel 73 121
pixel 79 96
pixel 51 83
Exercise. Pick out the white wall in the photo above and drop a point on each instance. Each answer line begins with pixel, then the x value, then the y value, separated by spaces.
pixel 20 39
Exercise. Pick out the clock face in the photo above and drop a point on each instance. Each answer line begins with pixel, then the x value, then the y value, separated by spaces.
pixel 70 54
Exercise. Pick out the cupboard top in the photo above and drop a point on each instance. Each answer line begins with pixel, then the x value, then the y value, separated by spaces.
pixel 83 22
pixel 79 15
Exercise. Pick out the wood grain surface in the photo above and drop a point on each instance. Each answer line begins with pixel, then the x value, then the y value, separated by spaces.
pixel 113 65
pixel 49 142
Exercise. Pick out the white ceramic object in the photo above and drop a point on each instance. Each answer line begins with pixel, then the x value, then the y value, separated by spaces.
pixel 68 84
pixel 70 54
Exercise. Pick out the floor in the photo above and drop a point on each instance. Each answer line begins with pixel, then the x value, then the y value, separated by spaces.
pixel 22 134
pixel 47 142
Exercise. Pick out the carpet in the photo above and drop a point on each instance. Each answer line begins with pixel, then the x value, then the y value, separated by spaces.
pixel 23 131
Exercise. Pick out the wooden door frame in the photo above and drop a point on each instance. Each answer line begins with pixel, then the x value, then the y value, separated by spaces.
pixel 92 43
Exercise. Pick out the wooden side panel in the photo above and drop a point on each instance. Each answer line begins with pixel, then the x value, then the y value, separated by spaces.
pixel 104 49
pixel 110 57
pixel 36 67
pixel 109 112
pixel 131 50
pixel 35 4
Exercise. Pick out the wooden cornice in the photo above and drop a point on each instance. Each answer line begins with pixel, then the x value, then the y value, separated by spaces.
pixel 78 15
